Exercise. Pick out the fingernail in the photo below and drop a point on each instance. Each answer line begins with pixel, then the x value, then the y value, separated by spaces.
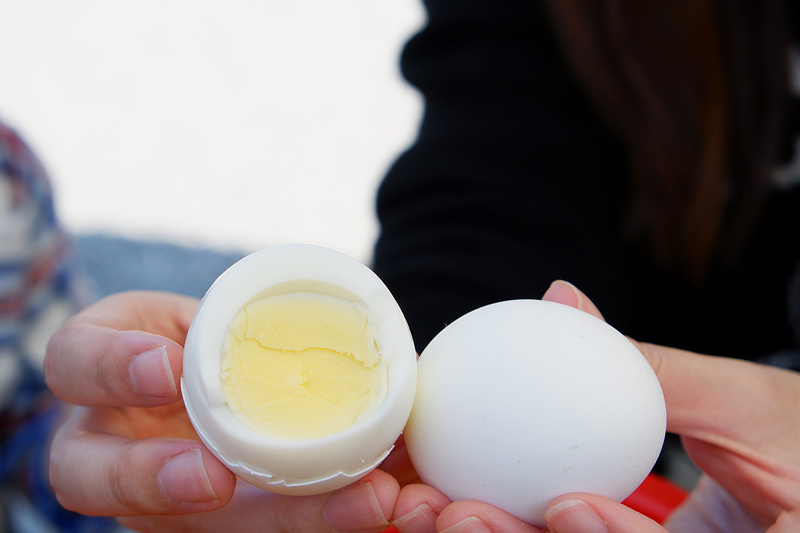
pixel 183 479
pixel 469 525
pixel 563 291
pixel 150 374
pixel 574 515
pixel 421 520
pixel 355 509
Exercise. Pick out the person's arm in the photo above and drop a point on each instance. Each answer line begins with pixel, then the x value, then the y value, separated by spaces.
pixel 514 180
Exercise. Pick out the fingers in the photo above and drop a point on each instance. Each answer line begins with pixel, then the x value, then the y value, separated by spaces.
pixel 566 293
pixel 123 351
pixel 366 505
pixel 363 506
pixel 98 473
pixel 714 398
pixel 467 516
pixel 160 313
pixel 417 509
pixel 738 419
pixel 98 366
pixel 727 402
pixel 114 459
pixel 104 474
pixel 587 513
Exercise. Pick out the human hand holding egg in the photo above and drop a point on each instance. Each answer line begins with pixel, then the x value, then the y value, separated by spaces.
pixel 739 422
pixel 126 447
pixel 115 456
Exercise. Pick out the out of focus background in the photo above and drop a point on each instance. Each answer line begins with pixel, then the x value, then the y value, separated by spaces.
pixel 172 128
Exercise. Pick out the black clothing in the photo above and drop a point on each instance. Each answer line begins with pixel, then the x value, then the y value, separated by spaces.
pixel 515 181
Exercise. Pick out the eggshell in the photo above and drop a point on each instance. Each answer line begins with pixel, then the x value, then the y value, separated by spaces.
pixel 299 466
pixel 521 401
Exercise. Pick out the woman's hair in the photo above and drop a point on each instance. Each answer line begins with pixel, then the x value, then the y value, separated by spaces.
pixel 696 89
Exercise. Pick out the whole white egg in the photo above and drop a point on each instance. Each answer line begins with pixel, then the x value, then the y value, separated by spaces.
pixel 305 465
pixel 521 401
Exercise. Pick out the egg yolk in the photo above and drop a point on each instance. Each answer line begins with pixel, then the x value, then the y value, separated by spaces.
pixel 302 366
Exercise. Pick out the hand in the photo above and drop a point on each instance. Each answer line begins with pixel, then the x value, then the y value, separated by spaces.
pixel 739 422
pixel 126 447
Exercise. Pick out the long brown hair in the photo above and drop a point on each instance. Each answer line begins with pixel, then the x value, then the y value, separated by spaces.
pixel 695 88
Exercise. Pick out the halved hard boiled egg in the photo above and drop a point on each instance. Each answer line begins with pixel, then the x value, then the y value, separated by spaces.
pixel 299 369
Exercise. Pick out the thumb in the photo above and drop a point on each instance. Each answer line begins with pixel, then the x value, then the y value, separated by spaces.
pixel 566 293
pixel 584 513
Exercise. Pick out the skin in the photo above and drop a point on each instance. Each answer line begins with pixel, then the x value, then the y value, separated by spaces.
pixel 126 448
pixel 132 454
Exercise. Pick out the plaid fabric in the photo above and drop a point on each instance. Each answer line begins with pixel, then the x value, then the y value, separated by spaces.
pixel 36 292
pixel 39 289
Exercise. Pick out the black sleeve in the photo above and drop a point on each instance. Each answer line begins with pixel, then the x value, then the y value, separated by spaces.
pixel 513 181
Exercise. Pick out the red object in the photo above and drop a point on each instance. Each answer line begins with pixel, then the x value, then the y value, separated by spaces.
pixel 656 497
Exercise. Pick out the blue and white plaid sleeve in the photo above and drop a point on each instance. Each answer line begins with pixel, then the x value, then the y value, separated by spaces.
pixel 39 289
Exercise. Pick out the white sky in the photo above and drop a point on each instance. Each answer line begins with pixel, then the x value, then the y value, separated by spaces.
pixel 234 123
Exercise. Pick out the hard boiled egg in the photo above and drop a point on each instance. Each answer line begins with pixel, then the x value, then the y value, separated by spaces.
pixel 299 370
pixel 521 401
